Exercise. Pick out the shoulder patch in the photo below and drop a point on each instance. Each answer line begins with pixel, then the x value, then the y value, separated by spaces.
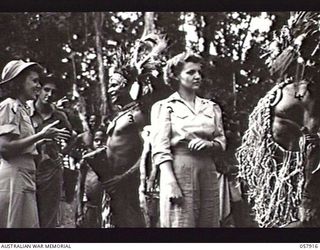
pixel 14 107
pixel 169 108
pixel 208 101
pixel 14 110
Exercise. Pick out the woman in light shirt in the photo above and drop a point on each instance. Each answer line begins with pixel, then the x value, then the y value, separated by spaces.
pixel 187 132
pixel 18 207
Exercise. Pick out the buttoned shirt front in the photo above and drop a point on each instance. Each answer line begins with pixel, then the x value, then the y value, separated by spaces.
pixel 175 122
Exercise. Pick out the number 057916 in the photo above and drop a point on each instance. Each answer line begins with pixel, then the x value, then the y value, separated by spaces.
pixel 309 245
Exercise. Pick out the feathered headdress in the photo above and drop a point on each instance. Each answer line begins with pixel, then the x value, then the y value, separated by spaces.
pixel 147 52
pixel 297 45
pixel 142 68
pixel 148 60
pixel 121 64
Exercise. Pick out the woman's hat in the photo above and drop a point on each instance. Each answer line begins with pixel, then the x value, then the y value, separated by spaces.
pixel 13 69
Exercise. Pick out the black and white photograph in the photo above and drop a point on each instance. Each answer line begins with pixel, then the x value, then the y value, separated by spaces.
pixel 113 119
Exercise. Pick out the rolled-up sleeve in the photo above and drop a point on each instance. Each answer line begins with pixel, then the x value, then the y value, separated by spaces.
pixel 9 119
pixel 219 135
pixel 160 133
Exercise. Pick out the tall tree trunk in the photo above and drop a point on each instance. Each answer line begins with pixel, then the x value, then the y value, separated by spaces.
pixel 75 93
pixel 191 27
pixel 234 90
pixel 149 25
pixel 98 20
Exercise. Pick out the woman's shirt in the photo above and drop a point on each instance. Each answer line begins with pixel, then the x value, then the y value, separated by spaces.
pixel 175 123
pixel 15 121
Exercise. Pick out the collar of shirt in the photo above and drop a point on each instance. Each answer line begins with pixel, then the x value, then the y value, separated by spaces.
pixel 25 107
pixel 200 103
pixel 31 107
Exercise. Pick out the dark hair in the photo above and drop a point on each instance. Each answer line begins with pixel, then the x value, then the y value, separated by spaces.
pixel 50 79
pixel 175 66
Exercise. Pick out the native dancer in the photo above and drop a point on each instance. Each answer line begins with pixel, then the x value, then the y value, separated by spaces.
pixel 278 157
pixel 139 77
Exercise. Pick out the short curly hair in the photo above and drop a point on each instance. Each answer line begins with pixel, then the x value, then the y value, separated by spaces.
pixel 174 67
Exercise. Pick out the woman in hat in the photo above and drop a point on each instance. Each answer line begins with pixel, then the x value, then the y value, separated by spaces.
pixel 18 208
pixel 187 132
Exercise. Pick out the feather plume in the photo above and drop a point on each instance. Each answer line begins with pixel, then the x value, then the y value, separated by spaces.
pixel 148 52
pixel 286 48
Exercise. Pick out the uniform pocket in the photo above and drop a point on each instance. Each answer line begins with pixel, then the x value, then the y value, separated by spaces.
pixel 208 121
pixel 26 119
pixel 26 127
pixel 181 116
